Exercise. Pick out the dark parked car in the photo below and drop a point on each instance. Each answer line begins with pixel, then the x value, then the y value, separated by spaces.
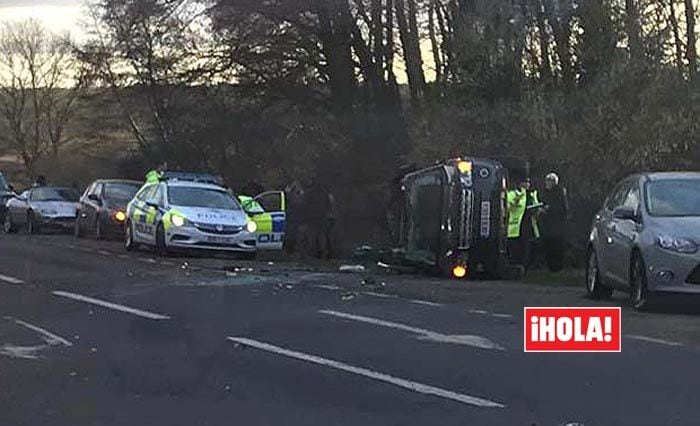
pixel 41 207
pixel 102 208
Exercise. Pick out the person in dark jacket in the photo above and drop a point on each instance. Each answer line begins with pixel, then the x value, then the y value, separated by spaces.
pixel 554 222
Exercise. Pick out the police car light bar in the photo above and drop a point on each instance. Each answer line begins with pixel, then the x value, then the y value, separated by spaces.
pixel 192 177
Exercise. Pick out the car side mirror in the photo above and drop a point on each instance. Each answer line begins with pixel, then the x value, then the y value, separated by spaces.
pixel 626 213
pixel 95 198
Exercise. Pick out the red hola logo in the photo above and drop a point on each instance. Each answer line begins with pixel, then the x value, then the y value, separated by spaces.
pixel 573 330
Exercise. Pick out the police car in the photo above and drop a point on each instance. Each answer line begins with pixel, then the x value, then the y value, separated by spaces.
pixel 188 211
pixel 268 211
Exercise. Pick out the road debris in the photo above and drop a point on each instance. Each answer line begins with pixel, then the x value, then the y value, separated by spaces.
pixel 351 268
pixel 348 296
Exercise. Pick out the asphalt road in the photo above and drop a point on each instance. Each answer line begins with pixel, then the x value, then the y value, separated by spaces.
pixel 92 335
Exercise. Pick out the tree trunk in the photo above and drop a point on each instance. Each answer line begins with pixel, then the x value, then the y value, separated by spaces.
pixel 676 36
pixel 545 63
pixel 433 41
pixel 561 26
pixel 411 50
pixel 633 29
pixel 691 49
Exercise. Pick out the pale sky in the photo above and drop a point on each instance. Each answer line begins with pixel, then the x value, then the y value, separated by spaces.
pixel 57 15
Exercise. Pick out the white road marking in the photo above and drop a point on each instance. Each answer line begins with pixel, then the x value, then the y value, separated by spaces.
pixel 23 352
pixel 423 334
pixel 502 315
pixel 104 253
pixel 49 337
pixel 380 295
pixel 11 280
pixel 123 256
pixel 403 383
pixel 426 303
pixel 326 287
pixel 653 340
pixel 110 305
pixel 477 311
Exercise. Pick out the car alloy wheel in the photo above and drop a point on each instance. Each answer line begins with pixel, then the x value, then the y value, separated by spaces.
pixel 77 232
pixel 638 284
pixel 32 226
pixel 595 288
pixel 7 225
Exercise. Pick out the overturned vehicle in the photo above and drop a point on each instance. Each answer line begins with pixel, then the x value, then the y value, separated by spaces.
pixel 453 218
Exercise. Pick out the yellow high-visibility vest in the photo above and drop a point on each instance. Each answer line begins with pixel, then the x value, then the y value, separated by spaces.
pixel 517 204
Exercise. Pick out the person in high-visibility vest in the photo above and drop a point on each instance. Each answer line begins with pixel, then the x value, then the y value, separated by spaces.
pixel 522 224
pixel 154 176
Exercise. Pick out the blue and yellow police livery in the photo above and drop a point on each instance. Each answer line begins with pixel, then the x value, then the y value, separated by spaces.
pixel 188 212
pixel 268 211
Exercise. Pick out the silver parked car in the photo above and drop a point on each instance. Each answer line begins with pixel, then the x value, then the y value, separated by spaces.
pixel 41 207
pixel 645 239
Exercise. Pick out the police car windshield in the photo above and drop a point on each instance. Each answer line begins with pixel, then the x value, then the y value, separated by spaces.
pixel 121 191
pixel 54 194
pixel 201 197
pixel 674 197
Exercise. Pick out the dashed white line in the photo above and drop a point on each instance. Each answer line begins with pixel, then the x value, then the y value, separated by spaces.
pixel 380 295
pixel 11 280
pixel 423 334
pixel 653 340
pixel 477 311
pixel 50 337
pixel 104 253
pixel 502 315
pixel 426 303
pixel 403 383
pixel 110 305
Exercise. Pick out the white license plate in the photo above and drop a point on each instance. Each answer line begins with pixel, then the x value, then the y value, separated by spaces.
pixel 485 219
pixel 219 240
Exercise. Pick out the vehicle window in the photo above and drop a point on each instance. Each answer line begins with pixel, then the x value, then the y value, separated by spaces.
pixel 146 193
pixel 618 195
pixel 3 183
pixel 632 198
pixel 252 206
pixel 54 194
pixel 271 202
pixel 157 196
pixel 120 192
pixel 677 197
pixel 89 190
pixel 97 190
pixel 202 197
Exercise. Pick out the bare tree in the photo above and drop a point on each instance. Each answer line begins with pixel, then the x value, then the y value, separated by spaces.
pixel 39 86
pixel 691 49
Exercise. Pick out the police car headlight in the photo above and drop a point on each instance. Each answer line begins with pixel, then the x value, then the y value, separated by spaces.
pixel 178 221
pixel 251 226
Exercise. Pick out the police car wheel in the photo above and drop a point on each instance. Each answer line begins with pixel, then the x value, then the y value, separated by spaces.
pixel 129 237
pixel 639 296
pixel 161 246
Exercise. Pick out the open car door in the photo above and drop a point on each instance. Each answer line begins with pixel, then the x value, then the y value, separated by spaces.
pixel 268 211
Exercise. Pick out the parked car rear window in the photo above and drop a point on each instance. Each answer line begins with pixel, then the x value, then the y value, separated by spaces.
pixel 201 197
pixel 677 197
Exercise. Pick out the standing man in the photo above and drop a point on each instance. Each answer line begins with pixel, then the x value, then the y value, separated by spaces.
pixel 554 220
pixel 517 205
pixel 531 221
pixel 154 175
